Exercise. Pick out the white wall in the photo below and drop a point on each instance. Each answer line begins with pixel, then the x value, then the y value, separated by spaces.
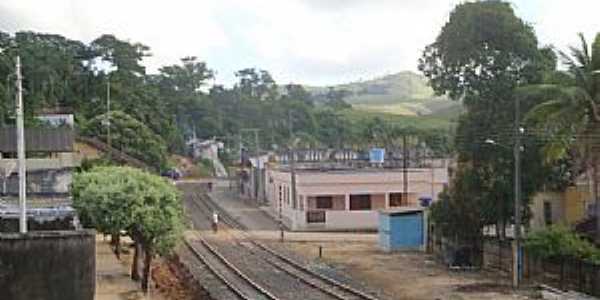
pixel 345 183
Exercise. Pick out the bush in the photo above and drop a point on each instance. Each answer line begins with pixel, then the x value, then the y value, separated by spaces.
pixel 559 241
pixel 131 136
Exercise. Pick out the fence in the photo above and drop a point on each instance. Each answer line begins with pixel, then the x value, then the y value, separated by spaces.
pixel 563 273
pixel 498 256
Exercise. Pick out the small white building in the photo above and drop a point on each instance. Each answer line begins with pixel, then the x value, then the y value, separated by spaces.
pixel 347 198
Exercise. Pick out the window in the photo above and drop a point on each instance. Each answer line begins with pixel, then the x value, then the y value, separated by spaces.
pixel 280 194
pixel 548 212
pixel 360 202
pixel 315 216
pixel 324 202
pixel 397 199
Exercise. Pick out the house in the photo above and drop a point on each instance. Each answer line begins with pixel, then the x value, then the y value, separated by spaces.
pixel 207 149
pixel 49 167
pixel 343 197
pixel 570 207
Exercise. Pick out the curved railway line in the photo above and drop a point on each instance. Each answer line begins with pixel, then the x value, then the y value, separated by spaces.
pixel 268 272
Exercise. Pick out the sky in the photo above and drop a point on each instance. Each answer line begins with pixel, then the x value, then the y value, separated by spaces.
pixel 315 42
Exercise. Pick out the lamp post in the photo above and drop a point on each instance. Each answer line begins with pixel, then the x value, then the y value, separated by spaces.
pixel 517 149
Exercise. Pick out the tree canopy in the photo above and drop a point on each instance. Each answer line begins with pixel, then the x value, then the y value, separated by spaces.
pixel 481 56
pixel 115 199
pixel 131 136
pixel 176 103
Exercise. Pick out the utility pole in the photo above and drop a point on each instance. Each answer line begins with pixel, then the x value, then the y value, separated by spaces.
pixel 21 151
pixel 404 171
pixel 108 114
pixel 517 229
pixel 292 169
pixel 257 184
pixel 259 195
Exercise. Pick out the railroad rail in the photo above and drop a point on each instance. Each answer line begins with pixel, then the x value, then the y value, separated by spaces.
pixel 324 284
pixel 227 273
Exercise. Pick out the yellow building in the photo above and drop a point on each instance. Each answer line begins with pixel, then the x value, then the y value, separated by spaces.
pixel 567 208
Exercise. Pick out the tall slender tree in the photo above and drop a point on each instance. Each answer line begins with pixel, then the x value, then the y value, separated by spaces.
pixel 571 113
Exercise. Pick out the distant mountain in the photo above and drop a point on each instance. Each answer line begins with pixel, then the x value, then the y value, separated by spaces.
pixel 404 93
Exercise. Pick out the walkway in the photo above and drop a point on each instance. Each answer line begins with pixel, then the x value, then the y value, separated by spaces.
pixel 112 276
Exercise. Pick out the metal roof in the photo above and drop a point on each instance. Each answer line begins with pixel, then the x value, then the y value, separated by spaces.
pixel 39 139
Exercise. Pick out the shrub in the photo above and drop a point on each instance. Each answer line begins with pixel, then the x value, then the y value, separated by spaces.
pixel 559 241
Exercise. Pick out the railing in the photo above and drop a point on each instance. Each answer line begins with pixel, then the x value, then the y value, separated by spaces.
pixel 565 273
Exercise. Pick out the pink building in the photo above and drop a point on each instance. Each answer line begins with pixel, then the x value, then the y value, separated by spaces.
pixel 347 199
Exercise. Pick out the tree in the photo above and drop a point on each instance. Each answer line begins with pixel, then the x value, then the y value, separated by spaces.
pixel 130 136
pixel 115 199
pixel 180 91
pixel 483 49
pixel 335 98
pixel 480 56
pixel 570 112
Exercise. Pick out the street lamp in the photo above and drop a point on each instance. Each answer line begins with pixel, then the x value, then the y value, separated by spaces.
pixel 517 149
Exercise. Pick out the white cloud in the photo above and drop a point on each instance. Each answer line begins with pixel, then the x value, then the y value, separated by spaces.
pixel 308 41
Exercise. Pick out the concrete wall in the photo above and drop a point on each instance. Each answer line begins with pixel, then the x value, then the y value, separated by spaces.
pixel 576 202
pixel 556 202
pixel 336 220
pixel 40 183
pixel 57 265
pixel 424 182
pixel 63 160
pixel 378 201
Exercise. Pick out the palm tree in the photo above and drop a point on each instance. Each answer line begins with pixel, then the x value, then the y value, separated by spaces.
pixel 570 115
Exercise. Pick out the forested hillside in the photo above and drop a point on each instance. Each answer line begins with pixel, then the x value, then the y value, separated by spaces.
pixel 405 93
pixel 178 101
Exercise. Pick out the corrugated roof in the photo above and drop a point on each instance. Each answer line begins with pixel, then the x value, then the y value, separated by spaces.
pixel 42 139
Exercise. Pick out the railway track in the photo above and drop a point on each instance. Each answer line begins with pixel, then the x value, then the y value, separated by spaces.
pixel 237 284
pixel 308 284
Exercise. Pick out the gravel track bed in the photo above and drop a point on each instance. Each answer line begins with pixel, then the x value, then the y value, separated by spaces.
pixel 215 287
pixel 274 274
pixel 281 284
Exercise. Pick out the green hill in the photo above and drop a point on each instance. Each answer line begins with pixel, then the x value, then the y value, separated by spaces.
pixel 405 93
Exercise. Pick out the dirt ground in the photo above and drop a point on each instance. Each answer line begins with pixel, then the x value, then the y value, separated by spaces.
pixel 112 275
pixel 174 282
pixel 405 275
pixel 113 282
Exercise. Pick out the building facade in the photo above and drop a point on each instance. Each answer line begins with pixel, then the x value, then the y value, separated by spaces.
pixel 49 167
pixel 347 198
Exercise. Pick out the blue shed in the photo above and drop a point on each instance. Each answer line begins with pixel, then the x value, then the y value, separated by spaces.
pixel 403 229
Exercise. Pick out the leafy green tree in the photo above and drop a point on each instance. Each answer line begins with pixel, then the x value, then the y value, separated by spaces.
pixel 180 90
pixel 130 136
pixel 480 56
pixel 101 203
pixel 115 199
pixel 458 214
pixel 335 98
pixel 569 113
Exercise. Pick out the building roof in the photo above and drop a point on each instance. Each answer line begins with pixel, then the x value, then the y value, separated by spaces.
pixel 343 169
pixel 39 139
pixel 402 211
